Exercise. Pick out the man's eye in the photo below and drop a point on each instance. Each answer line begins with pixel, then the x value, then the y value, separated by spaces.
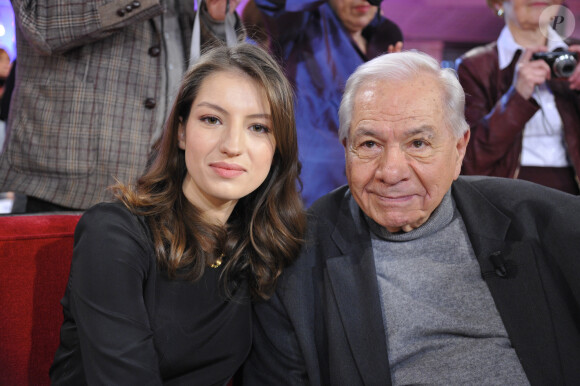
pixel 367 149
pixel 418 143
pixel 369 144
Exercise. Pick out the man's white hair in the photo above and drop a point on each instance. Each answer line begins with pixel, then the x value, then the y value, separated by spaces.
pixel 399 67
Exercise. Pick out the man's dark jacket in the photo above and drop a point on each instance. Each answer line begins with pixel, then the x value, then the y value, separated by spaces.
pixel 324 324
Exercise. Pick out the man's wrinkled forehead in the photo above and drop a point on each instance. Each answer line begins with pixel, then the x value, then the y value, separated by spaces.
pixel 397 104
pixel 427 131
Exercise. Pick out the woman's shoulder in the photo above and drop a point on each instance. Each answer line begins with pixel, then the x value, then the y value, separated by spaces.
pixel 109 212
pixel 110 236
pixel 113 220
pixel 482 51
pixel 479 62
pixel 479 55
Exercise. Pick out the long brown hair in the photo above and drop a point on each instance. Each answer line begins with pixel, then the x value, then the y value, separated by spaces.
pixel 264 232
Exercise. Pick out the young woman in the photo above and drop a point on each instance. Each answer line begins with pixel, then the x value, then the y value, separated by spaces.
pixel 160 284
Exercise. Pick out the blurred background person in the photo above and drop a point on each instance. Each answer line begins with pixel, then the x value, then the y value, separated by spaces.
pixel 5 67
pixel 7 199
pixel 320 44
pixel 253 20
pixel 524 122
pixel 162 279
pixel 219 22
pixel 93 85
pixel 5 88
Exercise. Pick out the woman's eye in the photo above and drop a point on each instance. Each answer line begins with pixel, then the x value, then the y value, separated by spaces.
pixel 259 129
pixel 210 120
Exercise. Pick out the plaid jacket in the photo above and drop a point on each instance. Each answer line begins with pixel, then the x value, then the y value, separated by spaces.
pixel 88 86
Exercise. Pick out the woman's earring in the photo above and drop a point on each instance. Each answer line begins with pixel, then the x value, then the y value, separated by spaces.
pixel 500 12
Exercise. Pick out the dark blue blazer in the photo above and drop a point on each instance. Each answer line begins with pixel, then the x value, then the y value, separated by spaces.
pixel 324 324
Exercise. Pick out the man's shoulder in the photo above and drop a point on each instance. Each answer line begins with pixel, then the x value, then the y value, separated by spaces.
pixel 507 193
pixel 487 184
pixel 337 208
pixel 323 218
pixel 330 203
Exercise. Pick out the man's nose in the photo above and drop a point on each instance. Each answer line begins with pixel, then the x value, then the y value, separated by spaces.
pixel 393 165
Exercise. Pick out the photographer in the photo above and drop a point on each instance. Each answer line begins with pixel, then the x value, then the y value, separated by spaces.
pixel 525 120
pixel 321 43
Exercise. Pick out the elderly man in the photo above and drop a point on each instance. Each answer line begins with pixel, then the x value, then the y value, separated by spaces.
pixel 413 275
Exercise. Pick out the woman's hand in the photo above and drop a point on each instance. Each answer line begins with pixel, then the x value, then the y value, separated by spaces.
pixel 530 73
pixel 574 79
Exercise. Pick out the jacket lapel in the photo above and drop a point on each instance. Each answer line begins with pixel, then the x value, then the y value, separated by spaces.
pixel 353 281
pixel 519 295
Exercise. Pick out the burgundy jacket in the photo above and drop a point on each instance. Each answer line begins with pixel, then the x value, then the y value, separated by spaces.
pixel 497 114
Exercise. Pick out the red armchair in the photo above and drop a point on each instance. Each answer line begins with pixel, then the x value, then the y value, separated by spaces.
pixel 35 257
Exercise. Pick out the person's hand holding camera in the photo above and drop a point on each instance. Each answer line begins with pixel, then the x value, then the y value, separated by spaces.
pixel 530 73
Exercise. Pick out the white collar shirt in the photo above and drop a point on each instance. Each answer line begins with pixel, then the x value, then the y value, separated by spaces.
pixel 543 141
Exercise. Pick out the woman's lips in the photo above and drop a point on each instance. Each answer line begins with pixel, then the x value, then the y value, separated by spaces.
pixel 227 170
pixel 362 8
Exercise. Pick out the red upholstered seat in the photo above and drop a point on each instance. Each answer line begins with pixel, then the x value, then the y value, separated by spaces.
pixel 35 256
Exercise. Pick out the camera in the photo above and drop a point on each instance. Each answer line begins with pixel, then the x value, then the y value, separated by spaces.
pixel 562 63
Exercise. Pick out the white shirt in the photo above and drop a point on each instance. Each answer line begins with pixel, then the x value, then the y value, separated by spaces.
pixel 543 140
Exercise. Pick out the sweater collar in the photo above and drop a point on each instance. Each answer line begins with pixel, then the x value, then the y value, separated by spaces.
pixel 439 219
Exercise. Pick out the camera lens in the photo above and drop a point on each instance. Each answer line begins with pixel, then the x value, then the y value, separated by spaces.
pixel 564 65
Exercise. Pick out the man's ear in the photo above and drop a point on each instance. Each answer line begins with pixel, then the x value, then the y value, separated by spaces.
pixel 181 136
pixel 461 148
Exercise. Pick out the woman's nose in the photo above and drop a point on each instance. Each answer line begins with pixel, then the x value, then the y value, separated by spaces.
pixel 232 141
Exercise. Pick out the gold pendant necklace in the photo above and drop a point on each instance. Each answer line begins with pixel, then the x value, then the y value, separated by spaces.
pixel 218 262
